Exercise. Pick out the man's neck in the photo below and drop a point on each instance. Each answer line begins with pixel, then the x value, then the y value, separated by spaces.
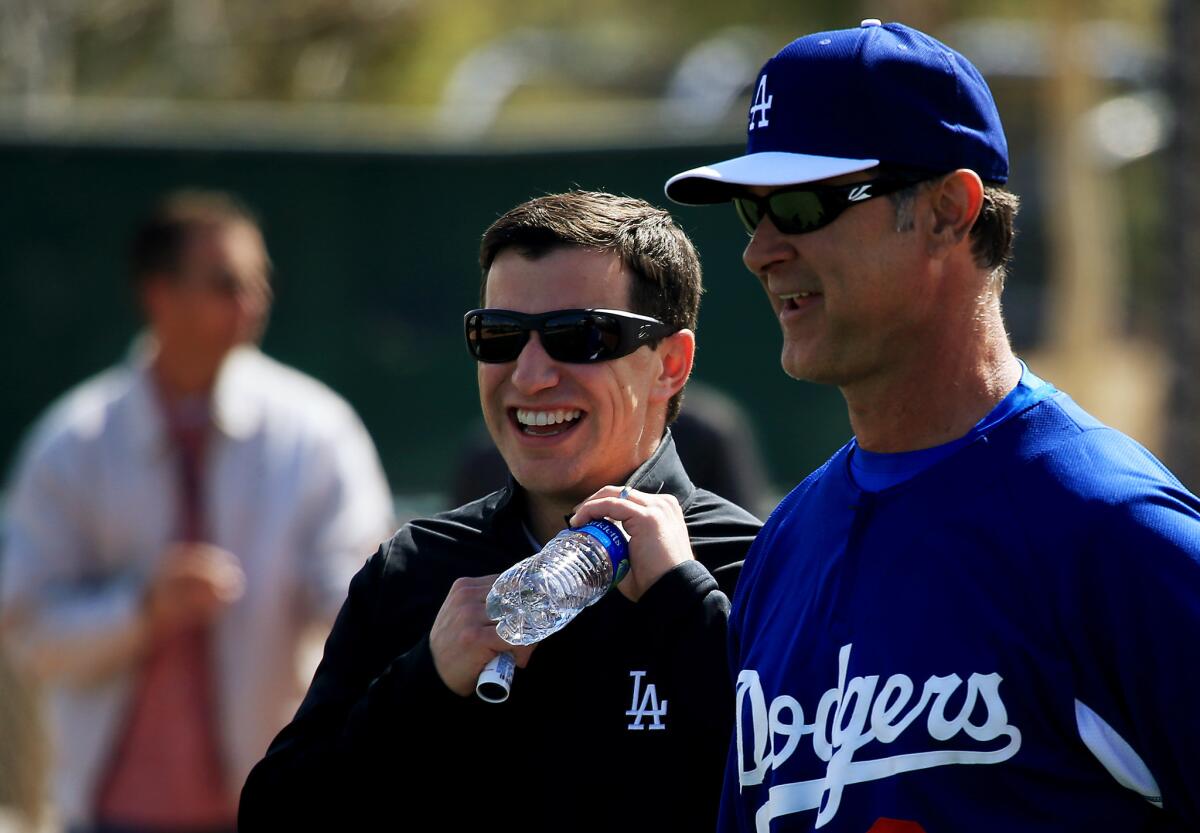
pixel 547 516
pixel 925 405
pixel 179 377
pixel 547 513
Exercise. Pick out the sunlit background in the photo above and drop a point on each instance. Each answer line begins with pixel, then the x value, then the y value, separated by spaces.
pixel 378 138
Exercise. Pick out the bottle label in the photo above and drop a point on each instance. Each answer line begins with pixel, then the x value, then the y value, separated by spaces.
pixel 615 544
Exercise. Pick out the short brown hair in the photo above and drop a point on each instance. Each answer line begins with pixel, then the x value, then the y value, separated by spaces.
pixel 993 232
pixel 661 258
pixel 158 243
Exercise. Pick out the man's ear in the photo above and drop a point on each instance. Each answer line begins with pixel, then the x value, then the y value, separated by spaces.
pixel 955 203
pixel 676 352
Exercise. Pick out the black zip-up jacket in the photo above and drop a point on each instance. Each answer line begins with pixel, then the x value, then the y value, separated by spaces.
pixel 621 721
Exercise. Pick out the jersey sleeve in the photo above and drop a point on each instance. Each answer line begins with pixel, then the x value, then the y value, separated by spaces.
pixel 1136 634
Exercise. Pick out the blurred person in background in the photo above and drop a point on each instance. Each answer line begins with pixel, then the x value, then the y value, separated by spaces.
pixel 175 526
pixel 983 612
pixel 637 688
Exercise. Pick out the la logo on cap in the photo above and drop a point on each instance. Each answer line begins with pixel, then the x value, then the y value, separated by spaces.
pixel 762 103
pixel 851 99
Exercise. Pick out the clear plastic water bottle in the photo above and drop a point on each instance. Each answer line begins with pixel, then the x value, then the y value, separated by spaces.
pixel 540 595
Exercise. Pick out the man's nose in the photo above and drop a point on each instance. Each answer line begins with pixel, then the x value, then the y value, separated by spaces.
pixel 768 245
pixel 535 370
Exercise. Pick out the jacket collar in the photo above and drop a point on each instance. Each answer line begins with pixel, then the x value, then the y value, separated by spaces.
pixel 663 473
pixel 236 403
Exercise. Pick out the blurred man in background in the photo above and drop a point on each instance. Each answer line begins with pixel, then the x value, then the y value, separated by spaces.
pixel 621 719
pixel 174 526
pixel 982 613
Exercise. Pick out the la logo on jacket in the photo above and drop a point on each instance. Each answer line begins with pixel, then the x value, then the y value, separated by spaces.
pixel 645 705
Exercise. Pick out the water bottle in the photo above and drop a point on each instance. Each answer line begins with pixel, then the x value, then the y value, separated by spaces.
pixel 540 595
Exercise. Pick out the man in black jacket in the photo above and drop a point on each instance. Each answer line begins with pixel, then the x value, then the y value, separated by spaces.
pixel 623 718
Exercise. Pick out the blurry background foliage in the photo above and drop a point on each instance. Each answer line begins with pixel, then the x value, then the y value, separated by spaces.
pixel 378 138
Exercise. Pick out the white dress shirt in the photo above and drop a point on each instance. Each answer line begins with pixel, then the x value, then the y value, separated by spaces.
pixel 294 489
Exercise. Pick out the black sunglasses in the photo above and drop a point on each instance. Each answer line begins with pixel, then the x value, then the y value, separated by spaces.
pixel 578 336
pixel 806 208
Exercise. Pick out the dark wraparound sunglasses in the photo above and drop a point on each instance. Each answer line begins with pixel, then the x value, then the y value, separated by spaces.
pixel 806 208
pixel 578 336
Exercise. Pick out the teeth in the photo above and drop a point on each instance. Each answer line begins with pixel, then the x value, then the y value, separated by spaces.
pixel 529 417
pixel 794 295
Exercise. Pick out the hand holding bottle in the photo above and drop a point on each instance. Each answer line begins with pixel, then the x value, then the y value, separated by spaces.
pixel 658 536
pixel 463 639
pixel 537 597
pixel 540 595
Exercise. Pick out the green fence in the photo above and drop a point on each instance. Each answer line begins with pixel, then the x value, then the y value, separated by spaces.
pixel 375 259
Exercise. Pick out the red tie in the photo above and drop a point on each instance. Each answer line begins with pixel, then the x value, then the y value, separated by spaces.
pixel 167 772
pixel 190 441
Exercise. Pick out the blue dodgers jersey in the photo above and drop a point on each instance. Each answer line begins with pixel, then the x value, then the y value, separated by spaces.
pixel 1006 642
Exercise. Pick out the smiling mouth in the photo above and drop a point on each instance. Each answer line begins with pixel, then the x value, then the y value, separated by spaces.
pixel 794 300
pixel 545 423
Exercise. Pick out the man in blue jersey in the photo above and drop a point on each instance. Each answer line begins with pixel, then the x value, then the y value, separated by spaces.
pixel 983 612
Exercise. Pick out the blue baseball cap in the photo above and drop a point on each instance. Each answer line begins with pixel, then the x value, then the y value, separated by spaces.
pixel 838 102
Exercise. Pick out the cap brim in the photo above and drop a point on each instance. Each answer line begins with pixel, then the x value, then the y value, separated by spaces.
pixel 719 182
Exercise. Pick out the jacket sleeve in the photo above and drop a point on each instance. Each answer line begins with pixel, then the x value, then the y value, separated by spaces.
pixel 370 721
pixel 689 614
pixel 690 594
pixel 686 614
pixel 349 508
pixel 63 618
pixel 688 607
